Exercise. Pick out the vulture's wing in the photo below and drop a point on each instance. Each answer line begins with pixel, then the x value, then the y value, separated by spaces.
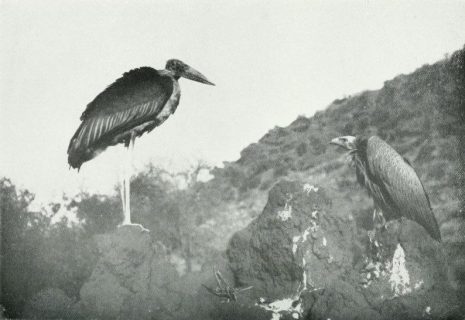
pixel 400 184
pixel 130 101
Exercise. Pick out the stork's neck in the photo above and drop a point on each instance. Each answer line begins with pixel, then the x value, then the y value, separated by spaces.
pixel 170 73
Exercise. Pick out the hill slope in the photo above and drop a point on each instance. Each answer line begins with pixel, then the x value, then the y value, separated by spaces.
pixel 422 115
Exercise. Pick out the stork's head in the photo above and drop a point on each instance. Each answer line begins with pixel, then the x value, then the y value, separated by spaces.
pixel 346 142
pixel 180 69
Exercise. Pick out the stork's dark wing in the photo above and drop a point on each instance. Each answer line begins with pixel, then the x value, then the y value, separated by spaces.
pixel 400 184
pixel 130 101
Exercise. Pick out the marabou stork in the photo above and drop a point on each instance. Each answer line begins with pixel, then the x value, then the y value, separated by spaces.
pixel 139 101
pixel 391 181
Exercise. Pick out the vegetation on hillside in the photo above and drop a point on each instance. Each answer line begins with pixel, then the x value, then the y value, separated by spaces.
pixel 422 115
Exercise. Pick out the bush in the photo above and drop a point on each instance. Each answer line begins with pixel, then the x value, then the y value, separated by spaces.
pixel 318 146
pixel 50 304
pixel 37 254
pixel 301 149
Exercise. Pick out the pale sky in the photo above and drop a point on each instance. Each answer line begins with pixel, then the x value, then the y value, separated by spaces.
pixel 271 61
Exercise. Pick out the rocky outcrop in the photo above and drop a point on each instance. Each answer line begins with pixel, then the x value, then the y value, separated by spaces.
pixel 133 279
pixel 309 259
pixel 305 256
pixel 51 303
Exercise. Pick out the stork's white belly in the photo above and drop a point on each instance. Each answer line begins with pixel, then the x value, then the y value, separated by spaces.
pixel 170 105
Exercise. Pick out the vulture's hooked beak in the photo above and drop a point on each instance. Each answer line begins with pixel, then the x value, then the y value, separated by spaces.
pixel 192 74
pixel 346 142
pixel 337 142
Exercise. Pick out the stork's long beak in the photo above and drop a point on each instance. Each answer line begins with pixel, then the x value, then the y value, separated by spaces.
pixel 192 74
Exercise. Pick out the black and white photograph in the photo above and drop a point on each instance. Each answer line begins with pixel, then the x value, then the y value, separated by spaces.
pixel 223 160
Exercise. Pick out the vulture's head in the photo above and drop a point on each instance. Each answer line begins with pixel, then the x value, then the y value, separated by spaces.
pixel 346 142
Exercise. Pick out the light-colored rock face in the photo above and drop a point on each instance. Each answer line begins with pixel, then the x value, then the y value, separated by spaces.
pixel 286 213
pixel 281 307
pixel 399 278
pixel 299 239
pixel 309 188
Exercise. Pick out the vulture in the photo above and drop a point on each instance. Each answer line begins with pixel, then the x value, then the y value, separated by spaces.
pixel 390 180
pixel 134 104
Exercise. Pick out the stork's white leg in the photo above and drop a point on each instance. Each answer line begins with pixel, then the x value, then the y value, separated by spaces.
pixel 128 180
pixel 126 186
pixel 122 189
pixel 122 194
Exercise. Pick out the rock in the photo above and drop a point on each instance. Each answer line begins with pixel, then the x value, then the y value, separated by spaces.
pixel 305 257
pixel 51 303
pixel 130 278
pixel 134 279
pixel 307 260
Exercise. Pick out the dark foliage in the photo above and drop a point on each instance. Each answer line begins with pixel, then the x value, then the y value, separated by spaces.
pixel 37 254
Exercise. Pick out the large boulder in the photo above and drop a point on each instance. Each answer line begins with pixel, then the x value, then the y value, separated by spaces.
pixel 134 279
pixel 131 277
pixel 306 257
pixel 51 303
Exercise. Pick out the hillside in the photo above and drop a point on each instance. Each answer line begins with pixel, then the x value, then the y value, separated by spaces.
pixel 421 115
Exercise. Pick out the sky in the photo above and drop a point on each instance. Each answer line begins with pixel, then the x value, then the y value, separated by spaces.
pixel 271 61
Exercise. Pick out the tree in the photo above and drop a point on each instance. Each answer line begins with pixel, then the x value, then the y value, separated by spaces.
pixel 21 231
pixel 154 205
pixel 172 205
pixel 193 206
pixel 37 254
pixel 97 213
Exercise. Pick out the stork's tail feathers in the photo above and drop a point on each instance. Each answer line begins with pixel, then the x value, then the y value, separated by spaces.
pixel 74 154
pixel 78 151
pixel 74 158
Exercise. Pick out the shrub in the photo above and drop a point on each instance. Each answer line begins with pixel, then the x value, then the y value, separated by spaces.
pixel 301 149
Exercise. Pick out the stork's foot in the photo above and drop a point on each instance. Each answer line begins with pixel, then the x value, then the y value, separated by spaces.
pixel 129 224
